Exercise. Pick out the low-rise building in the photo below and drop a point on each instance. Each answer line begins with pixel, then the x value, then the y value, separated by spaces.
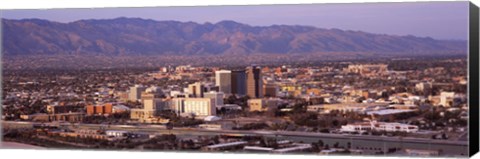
pixel 100 109
pixel 120 109
pixel 446 99
pixel 418 152
pixel 230 107
pixel 296 147
pixel 210 126
pixel 42 117
pixel 225 146
pixel 142 114
pixel 263 104
pixel 403 106
pixel 332 151
pixel 212 118
pixel 56 109
pixel 368 69
pixel 379 126
pixel 346 107
pixel 387 112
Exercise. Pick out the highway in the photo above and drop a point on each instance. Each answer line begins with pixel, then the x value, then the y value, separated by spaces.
pixel 453 147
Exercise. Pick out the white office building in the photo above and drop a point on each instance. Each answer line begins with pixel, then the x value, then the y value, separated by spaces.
pixel 200 107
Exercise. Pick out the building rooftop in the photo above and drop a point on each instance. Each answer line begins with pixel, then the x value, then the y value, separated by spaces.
pixel 388 111
pixel 257 148
pixel 226 144
pixel 350 105
pixel 296 148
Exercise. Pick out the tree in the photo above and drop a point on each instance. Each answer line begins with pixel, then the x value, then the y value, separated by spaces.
pixel 216 139
pixel 308 119
pixel 320 143
pixel 335 123
pixel 231 99
pixel 315 147
pixel 444 136
pixel 336 145
pixel 169 126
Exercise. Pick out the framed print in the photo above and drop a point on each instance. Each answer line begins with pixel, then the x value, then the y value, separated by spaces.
pixel 355 79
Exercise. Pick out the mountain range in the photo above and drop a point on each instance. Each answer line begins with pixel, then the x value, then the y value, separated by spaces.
pixel 135 36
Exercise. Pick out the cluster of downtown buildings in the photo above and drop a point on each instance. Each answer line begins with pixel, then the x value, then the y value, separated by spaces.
pixel 203 93
pixel 266 88
pixel 198 100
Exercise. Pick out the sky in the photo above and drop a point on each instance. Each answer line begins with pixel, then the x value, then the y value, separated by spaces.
pixel 439 20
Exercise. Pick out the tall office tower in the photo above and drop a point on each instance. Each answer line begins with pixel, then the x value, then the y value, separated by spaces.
pixel 223 79
pixel 254 82
pixel 239 82
pixel 196 89
pixel 152 102
pixel 217 98
pixel 148 100
pixel 136 92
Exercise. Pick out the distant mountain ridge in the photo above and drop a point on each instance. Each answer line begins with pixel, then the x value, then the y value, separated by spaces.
pixel 135 36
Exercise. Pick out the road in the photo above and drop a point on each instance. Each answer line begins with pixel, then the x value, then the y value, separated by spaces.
pixel 449 147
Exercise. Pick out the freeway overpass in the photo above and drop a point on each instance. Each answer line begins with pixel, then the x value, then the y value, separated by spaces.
pixel 451 147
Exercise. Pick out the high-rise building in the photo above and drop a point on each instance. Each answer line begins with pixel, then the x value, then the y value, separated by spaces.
pixel 223 79
pixel 254 82
pixel 136 92
pixel 217 98
pixel 239 82
pixel 151 102
pixel 196 89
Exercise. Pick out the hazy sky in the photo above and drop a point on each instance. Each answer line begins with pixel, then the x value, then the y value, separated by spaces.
pixel 440 20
